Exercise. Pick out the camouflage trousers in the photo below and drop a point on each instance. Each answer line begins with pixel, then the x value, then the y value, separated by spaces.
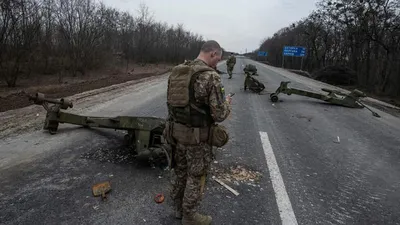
pixel 192 162
pixel 229 68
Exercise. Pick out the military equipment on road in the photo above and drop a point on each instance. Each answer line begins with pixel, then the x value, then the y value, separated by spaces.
pixel 253 84
pixel 351 100
pixel 250 82
pixel 144 134
pixel 251 69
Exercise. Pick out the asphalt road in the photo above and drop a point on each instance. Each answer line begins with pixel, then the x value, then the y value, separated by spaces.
pixel 319 164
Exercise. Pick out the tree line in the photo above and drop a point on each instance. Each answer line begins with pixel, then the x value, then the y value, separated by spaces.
pixel 363 35
pixel 74 36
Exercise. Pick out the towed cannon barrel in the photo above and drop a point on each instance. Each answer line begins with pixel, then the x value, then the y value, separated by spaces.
pixel 39 99
pixel 335 97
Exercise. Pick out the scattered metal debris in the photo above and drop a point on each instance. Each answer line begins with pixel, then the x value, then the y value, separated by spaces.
pixel 226 186
pixel 237 174
pixel 240 173
pixel 101 189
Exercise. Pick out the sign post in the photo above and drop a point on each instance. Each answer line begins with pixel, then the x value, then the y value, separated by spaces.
pixel 294 51
pixel 262 54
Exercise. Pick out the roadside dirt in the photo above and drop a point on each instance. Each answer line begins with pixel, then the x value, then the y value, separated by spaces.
pixel 54 87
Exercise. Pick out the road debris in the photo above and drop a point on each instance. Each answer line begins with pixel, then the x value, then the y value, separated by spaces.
pixel 237 174
pixel 226 186
pixel 159 198
pixel 240 173
pixel 338 140
pixel 101 189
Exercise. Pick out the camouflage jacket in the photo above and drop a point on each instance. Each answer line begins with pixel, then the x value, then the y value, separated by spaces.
pixel 231 60
pixel 208 89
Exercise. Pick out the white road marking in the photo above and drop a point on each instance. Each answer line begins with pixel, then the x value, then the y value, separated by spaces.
pixel 282 199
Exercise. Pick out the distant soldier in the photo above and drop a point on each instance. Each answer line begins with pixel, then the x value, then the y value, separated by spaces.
pixel 230 63
pixel 196 102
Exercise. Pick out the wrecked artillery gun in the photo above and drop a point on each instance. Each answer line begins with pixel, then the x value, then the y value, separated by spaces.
pixel 250 82
pixel 351 100
pixel 250 69
pixel 144 134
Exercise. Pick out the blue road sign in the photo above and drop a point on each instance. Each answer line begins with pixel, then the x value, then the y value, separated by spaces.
pixel 294 51
pixel 261 53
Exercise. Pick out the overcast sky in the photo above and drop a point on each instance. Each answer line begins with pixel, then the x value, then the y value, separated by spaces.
pixel 235 24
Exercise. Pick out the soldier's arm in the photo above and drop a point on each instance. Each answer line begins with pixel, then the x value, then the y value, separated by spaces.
pixel 220 108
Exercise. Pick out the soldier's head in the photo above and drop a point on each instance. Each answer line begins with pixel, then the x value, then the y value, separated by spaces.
pixel 211 53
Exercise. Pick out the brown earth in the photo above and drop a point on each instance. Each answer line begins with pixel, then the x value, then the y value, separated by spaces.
pixel 54 87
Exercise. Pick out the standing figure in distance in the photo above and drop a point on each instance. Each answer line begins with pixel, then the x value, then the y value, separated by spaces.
pixel 230 63
pixel 196 102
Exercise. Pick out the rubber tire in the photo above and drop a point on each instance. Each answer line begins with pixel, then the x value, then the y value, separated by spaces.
pixel 274 97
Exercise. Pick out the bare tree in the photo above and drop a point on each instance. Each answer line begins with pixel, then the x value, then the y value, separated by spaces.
pixel 362 35
pixel 57 36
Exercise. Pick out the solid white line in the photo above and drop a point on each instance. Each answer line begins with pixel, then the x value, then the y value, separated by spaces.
pixel 282 199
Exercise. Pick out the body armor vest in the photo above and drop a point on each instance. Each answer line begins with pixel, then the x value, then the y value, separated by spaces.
pixel 182 106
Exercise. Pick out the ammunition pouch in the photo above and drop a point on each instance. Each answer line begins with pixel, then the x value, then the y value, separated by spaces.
pixel 215 135
pixel 191 115
pixel 218 135
pixel 167 133
pixel 189 135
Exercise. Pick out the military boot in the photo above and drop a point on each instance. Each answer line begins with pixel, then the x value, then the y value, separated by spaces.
pixel 178 209
pixel 178 212
pixel 196 219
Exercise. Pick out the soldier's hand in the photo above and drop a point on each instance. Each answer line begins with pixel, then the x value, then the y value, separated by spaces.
pixel 228 98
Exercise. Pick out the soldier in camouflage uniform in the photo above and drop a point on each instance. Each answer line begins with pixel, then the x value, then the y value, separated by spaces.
pixel 196 101
pixel 230 63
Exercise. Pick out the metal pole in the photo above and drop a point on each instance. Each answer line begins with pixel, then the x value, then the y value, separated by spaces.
pixel 301 66
pixel 283 59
